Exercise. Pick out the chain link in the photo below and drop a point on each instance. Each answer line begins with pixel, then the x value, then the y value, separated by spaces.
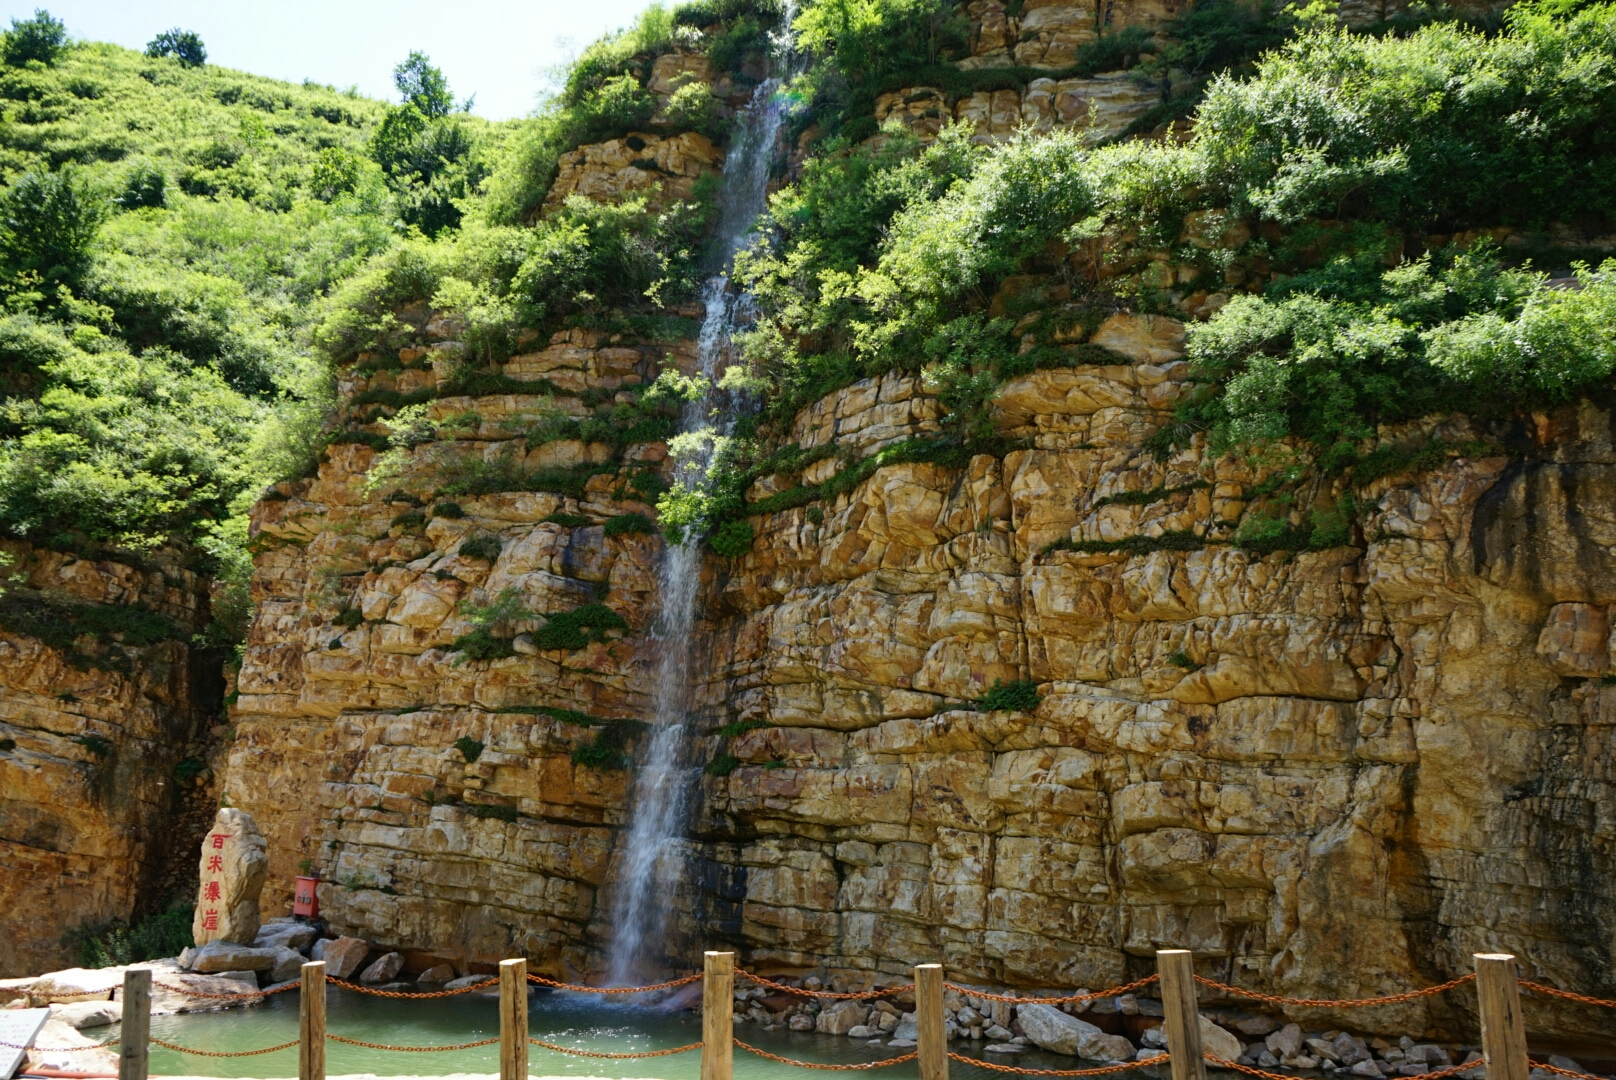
pixel 412 1049
pixel 859 995
pixel 554 985
pixel 608 1054
pixel 1126 988
pixel 255 994
pixel 411 995
pixel 61 1049
pixel 1124 1066
pixel 1391 999
pixel 1567 994
pixel 749 1048
pixel 1439 1074
pixel 1554 1069
pixel 222 1053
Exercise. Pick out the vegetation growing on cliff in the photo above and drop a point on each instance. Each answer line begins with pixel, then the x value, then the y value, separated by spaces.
pixel 1339 145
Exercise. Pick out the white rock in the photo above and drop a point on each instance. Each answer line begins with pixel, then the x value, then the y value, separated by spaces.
pixel 1004 1048
pixel 288 964
pixel 1053 1030
pixel 1286 1042
pixel 841 1018
pixel 221 956
pixel 1215 1040
pixel 863 1031
pixel 88 1014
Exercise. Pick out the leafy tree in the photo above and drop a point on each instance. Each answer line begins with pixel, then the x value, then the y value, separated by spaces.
pixel 41 38
pixel 145 185
pixel 47 223
pixel 423 86
pixel 183 45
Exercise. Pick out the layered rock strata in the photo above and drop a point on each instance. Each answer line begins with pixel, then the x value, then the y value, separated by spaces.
pixel 101 697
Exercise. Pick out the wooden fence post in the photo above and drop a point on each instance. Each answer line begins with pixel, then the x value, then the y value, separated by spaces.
pixel 1183 1020
pixel 134 1045
pixel 718 1016
pixel 933 1031
pixel 1503 1029
pixel 513 1019
pixel 311 1023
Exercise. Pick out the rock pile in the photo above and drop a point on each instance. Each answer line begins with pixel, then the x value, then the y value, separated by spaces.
pixel 1124 1028
pixel 283 945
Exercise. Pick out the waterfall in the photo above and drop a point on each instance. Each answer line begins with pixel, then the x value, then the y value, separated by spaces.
pixel 653 859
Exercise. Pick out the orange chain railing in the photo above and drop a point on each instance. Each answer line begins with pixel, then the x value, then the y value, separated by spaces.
pixel 413 1049
pixel 1351 1003
pixel 856 995
pixel 1568 995
pixel 860 1067
pixel 1126 988
pixel 227 994
pixel 607 1054
pixel 1438 1074
pixel 61 1049
pixel 1555 1069
pixel 222 1053
pixel 1121 1066
pixel 373 992
pixel 670 984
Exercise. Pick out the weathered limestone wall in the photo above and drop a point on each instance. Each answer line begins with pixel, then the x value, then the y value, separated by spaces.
pixel 90 741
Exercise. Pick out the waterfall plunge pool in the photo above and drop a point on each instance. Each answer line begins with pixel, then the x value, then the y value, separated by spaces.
pixel 575 1020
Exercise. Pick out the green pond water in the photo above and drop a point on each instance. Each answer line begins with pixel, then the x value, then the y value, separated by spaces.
pixel 573 1020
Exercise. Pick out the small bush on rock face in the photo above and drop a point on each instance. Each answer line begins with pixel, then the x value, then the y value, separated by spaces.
pixel 1021 696
pixel 628 524
pixel 732 539
pixel 486 548
pixel 469 748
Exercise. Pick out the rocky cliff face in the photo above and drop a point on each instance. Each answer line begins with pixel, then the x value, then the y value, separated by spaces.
pixel 1332 773
pixel 1329 773
pixel 101 697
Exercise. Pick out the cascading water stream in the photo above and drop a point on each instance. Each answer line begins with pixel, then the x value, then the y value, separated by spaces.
pixel 653 852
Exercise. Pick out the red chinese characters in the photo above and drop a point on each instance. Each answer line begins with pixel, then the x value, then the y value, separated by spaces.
pixel 210 919
pixel 215 863
pixel 210 891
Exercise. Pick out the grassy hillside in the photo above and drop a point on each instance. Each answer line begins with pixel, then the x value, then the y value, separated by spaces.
pixel 167 231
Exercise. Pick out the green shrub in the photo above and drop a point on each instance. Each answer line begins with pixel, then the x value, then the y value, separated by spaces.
pixel 469 748
pixel 1020 696
pixel 495 811
pixel 114 943
pixel 576 629
pixel 485 547
pixel 629 524
pixel 722 765
pixel 732 539
pixel 570 521
pixel 609 750
pixel 144 185
pixel 450 510
pixel 183 45
pixel 189 768
pixel 48 220
pixel 41 38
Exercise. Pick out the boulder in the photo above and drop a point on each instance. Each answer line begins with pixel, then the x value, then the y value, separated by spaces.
pixel 343 956
pixel 234 861
pixel 221 956
pixel 1214 1040
pixel 465 981
pixel 1058 1033
pixel 383 970
pixel 59 1047
pixel 288 964
pixel 439 973
pixel 841 1018
pixel 88 1014
pixel 805 1022
pixel 297 936
pixel 863 1031
pixel 317 950
pixel 75 984
pixel 1286 1042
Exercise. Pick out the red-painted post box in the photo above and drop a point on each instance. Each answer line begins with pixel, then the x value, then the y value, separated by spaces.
pixel 305 901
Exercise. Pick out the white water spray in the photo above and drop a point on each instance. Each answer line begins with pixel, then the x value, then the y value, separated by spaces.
pixel 653 862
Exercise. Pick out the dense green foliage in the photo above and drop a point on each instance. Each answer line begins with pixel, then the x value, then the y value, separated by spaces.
pixel 110 944
pixel 183 45
pixel 884 255
pixel 161 251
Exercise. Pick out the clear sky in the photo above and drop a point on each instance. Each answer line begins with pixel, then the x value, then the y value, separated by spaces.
pixel 500 50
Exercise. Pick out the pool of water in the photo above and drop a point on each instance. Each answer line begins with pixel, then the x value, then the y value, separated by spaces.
pixel 573 1020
